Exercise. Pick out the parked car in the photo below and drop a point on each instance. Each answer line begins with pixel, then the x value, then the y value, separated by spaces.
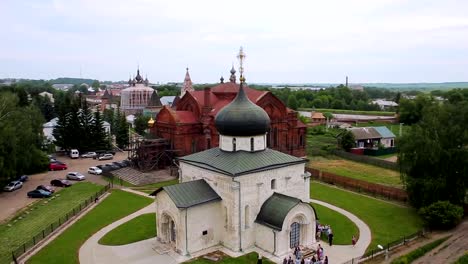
pixel 53 166
pixel 14 185
pixel 60 183
pixel 89 155
pixel 75 176
pixel 46 188
pixel 126 162
pixel 107 156
pixel 122 164
pixel 23 178
pixel 38 193
pixel 74 154
pixel 94 170
pixel 112 166
pixel 118 164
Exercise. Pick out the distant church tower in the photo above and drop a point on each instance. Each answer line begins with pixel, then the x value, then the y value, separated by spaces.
pixel 187 86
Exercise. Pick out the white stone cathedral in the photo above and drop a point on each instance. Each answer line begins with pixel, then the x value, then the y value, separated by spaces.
pixel 240 195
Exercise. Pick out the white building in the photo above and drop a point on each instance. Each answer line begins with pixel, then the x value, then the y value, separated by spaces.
pixel 48 128
pixel 240 195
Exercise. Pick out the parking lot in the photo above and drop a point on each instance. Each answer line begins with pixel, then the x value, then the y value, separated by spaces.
pixel 11 202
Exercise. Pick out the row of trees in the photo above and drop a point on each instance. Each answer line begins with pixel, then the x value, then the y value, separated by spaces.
pixel 21 137
pixel 80 128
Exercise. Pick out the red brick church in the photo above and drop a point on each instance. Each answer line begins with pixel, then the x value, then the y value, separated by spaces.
pixel 189 125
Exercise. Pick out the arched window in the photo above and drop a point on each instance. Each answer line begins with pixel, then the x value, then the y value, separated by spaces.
pixel 247 217
pixel 208 143
pixel 234 144
pixel 301 140
pixel 225 217
pixel 273 184
pixel 251 144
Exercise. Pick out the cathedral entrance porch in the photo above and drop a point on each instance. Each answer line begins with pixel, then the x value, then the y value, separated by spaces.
pixel 168 231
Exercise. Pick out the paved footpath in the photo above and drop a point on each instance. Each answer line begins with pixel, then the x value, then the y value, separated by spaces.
pixel 142 252
pixel 341 254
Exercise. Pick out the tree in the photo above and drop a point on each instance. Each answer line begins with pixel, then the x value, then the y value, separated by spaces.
pixel 121 134
pixel 292 102
pixel 98 134
pixel 347 140
pixel 433 155
pixel 141 124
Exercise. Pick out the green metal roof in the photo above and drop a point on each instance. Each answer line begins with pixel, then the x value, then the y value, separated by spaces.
pixel 240 162
pixel 384 132
pixel 188 194
pixel 275 209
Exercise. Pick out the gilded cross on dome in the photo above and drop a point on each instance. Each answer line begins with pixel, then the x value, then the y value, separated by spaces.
pixel 241 56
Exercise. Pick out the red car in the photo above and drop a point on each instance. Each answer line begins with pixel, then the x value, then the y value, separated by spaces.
pixel 57 166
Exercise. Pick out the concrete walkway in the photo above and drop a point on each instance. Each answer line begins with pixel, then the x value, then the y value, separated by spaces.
pixel 341 254
pixel 143 252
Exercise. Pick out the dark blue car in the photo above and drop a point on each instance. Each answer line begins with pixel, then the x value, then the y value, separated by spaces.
pixel 39 194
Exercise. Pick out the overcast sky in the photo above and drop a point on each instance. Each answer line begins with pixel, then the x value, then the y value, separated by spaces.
pixel 285 41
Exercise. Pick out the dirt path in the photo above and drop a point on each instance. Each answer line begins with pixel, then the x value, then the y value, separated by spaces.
pixel 451 250
pixel 12 202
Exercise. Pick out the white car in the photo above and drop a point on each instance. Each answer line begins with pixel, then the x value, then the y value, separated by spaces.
pixel 75 176
pixel 14 185
pixel 89 155
pixel 94 170
pixel 106 157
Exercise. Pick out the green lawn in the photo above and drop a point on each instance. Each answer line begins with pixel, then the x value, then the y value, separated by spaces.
pixel 357 170
pixel 40 215
pixel 126 233
pixel 250 258
pixel 342 227
pixel 64 249
pixel 388 222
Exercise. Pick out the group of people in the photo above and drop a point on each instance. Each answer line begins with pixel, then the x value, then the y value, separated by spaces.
pixel 326 229
pixel 318 258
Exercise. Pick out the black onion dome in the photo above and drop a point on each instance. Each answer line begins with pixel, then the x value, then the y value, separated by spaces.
pixel 241 117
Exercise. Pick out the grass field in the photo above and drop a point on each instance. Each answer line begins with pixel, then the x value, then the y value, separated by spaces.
pixel 340 224
pixel 126 233
pixel 250 258
pixel 388 222
pixel 357 170
pixel 41 214
pixel 350 112
pixel 64 249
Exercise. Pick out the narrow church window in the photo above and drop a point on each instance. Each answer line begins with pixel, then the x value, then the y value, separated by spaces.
pixel 208 143
pixel 247 216
pixel 225 217
pixel 234 144
pixel 205 232
pixel 275 137
pixel 251 144
pixel 301 140
pixel 273 184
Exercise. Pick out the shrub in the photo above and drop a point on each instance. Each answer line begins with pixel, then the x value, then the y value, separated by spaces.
pixel 441 215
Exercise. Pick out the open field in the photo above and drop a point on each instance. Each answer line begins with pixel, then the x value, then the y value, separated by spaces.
pixel 343 228
pixel 250 258
pixel 64 249
pixel 41 214
pixel 350 112
pixel 357 170
pixel 388 222
pixel 139 228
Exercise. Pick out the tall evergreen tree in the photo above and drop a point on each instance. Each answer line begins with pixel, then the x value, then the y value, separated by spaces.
pixel 122 136
pixel 98 134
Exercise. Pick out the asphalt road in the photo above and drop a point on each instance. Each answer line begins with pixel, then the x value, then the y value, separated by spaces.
pixel 12 202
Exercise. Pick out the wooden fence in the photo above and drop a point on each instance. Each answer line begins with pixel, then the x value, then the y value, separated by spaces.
pixel 359 185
